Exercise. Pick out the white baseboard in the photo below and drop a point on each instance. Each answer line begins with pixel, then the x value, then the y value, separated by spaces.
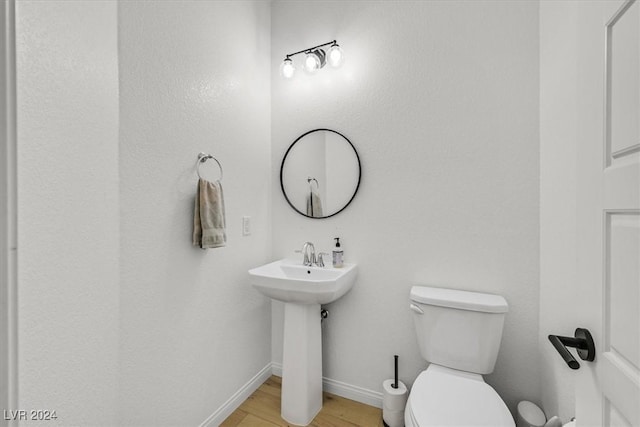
pixel 348 391
pixel 238 397
pixel 353 392
pixel 276 369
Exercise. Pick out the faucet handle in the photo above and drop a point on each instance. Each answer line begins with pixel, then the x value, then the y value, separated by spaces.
pixel 305 258
pixel 320 262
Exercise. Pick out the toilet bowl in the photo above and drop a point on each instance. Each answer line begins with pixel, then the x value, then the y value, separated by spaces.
pixel 459 333
pixel 446 397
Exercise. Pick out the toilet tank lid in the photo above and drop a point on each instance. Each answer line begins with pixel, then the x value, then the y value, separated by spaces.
pixel 463 300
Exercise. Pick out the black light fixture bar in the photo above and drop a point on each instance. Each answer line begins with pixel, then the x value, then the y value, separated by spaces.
pixel 317 57
pixel 311 49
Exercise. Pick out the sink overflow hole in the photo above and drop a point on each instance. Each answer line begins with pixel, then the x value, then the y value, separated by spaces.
pixel 308 271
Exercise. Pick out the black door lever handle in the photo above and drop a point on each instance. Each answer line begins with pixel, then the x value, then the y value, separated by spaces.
pixel 583 342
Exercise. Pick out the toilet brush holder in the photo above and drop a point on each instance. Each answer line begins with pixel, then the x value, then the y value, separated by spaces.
pixel 529 415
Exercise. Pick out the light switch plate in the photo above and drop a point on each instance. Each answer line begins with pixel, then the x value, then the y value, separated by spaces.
pixel 246 225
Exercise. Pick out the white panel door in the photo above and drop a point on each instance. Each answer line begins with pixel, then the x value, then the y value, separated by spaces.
pixel 608 390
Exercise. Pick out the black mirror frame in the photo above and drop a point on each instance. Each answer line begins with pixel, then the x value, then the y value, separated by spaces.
pixel 357 185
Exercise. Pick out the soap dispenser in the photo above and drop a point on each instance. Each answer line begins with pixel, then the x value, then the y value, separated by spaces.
pixel 338 254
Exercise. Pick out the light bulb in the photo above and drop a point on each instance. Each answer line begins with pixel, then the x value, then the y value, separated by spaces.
pixel 287 69
pixel 336 57
pixel 311 63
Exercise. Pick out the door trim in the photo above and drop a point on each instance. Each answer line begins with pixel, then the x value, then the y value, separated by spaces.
pixel 8 226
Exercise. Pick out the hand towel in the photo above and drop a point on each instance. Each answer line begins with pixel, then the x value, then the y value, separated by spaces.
pixel 314 204
pixel 209 228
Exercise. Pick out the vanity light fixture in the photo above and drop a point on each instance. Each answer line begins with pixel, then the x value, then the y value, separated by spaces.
pixel 287 69
pixel 316 58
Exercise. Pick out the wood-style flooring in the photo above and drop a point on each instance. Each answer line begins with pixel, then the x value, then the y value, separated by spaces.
pixel 262 409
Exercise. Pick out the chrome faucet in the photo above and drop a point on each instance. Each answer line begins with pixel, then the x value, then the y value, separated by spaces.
pixel 320 260
pixel 309 253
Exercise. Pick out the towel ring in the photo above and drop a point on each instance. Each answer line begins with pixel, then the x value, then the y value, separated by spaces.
pixel 203 157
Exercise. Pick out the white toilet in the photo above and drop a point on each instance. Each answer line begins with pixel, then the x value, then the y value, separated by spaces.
pixel 459 333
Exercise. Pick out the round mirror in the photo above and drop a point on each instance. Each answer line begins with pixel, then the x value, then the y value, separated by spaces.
pixel 320 173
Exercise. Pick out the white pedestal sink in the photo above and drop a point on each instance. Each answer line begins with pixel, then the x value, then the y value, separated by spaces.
pixel 302 289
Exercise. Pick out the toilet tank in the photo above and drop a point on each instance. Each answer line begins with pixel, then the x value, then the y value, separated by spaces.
pixel 458 329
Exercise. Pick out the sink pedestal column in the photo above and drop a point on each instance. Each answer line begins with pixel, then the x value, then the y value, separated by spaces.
pixel 301 363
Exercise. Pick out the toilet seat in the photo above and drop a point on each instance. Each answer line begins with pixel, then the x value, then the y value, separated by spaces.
pixel 447 397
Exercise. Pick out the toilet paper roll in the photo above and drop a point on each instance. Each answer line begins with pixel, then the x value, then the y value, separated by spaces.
pixel 393 418
pixel 394 399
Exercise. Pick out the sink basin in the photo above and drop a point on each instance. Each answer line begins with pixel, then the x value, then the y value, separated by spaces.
pixel 302 289
pixel 290 281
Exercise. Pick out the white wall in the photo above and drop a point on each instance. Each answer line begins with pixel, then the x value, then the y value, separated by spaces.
pixel 558 154
pixel 194 76
pixel 122 321
pixel 441 101
pixel 67 112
